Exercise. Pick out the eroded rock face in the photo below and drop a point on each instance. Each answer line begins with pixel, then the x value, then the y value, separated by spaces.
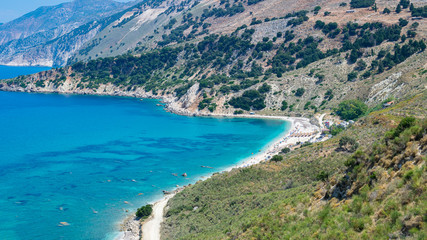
pixel 48 36
pixel 190 97
pixel 385 88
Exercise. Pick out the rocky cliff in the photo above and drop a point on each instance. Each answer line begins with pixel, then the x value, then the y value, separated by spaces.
pixel 48 36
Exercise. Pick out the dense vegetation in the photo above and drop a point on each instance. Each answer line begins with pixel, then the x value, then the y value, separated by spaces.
pixel 126 69
pixel 351 109
pixel 419 12
pixel 361 3
pixel 251 99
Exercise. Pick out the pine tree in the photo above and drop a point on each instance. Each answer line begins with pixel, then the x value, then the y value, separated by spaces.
pixel 398 8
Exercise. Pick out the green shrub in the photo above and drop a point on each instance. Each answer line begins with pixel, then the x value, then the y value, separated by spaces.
pixel 335 130
pixel 352 76
pixel 398 8
pixel 361 3
pixel 323 214
pixel 406 123
pixel 351 109
pixel 322 176
pixel 265 88
pixel 348 143
pixel 277 158
pixel 286 150
pixel 357 224
pixel 299 92
pixel 144 211
pixel 284 105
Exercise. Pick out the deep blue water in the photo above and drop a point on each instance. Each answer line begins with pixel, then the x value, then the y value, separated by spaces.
pixel 11 72
pixel 64 158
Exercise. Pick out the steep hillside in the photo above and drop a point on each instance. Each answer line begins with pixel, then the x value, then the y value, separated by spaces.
pixel 39 37
pixel 347 59
pixel 298 62
pixel 321 191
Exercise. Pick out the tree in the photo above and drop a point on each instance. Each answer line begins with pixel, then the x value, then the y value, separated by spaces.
pixel 361 65
pixel 316 10
pixel 284 105
pixel 144 211
pixel 300 92
pixel 406 123
pixel 265 88
pixel 286 150
pixel 404 3
pixel 348 144
pixel 403 22
pixel 336 129
pixel 319 24
pixel 354 55
pixel 386 11
pixel 322 176
pixel 351 109
pixel 361 3
pixel 352 76
pixel 366 74
pixel 277 158
pixel 411 34
pixel 398 8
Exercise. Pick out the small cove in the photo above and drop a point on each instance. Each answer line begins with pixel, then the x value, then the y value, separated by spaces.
pixel 85 160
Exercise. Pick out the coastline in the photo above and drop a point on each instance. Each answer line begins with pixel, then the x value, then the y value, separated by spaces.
pixel 301 130
pixel 150 229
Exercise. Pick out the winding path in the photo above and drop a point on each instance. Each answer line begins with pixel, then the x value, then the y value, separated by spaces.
pixel 151 228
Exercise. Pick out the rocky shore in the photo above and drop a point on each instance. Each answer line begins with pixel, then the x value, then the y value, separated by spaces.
pixel 172 104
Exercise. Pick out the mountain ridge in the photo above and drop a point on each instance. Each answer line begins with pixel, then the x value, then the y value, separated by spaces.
pixel 22 39
pixel 211 58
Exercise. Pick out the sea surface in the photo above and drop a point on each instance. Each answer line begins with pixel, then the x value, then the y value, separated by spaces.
pixel 11 72
pixel 87 160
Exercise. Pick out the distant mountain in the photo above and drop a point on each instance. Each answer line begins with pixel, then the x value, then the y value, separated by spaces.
pixel 37 38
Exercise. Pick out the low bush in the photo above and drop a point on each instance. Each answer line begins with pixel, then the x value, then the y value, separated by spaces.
pixel 144 211
pixel 277 158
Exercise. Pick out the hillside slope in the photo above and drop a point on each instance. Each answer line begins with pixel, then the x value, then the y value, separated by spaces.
pixel 35 38
pixel 275 57
pixel 311 64
pixel 321 191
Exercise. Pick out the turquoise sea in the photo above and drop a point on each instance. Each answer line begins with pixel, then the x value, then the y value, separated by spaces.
pixel 11 72
pixel 85 160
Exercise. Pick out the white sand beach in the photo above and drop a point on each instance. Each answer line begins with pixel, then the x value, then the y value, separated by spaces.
pixel 301 131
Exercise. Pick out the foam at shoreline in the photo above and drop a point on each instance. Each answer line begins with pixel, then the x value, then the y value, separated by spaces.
pixel 271 148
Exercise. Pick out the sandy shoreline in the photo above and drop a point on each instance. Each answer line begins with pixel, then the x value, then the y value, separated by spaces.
pixel 301 130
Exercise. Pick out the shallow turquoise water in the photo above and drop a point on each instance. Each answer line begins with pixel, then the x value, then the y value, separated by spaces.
pixel 11 72
pixel 64 158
